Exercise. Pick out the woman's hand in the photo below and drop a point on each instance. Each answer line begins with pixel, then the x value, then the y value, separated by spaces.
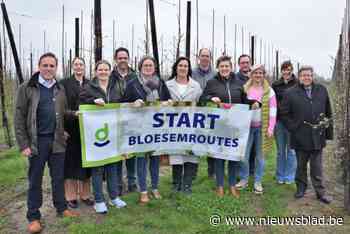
pixel 99 102
pixel 167 103
pixel 138 103
pixel 255 106
pixel 270 132
pixel 216 100
pixel 170 102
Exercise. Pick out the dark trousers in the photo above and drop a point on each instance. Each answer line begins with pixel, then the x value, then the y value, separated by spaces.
pixel 252 160
pixel 183 175
pixel 35 176
pixel 130 173
pixel 211 166
pixel 315 158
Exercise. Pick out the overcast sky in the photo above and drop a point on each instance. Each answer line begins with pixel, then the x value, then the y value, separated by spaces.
pixel 305 31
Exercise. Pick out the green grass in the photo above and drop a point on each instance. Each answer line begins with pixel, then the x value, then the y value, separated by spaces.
pixel 12 172
pixel 174 213
pixel 182 214
pixel 13 168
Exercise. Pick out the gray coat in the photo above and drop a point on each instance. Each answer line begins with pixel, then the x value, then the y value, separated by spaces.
pixel 203 77
pixel 192 93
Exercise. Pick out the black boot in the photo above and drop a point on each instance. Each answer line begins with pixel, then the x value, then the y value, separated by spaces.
pixel 211 167
pixel 119 190
pixel 300 191
pixel 324 199
pixel 177 178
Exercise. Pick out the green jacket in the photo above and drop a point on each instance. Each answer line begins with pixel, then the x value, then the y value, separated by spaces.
pixel 25 120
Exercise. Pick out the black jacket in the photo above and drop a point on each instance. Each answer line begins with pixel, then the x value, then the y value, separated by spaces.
pixel 228 90
pixel 297 107
pixel 93 91
pixel 280 87
pixel 73 89
pixel 134 91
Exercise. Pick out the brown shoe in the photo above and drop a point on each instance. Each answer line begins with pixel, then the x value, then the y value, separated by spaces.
pixel 70 213
pixel 156 194
pixel 143 198
pixel 220 191
pixel 34 227
pixel 234 191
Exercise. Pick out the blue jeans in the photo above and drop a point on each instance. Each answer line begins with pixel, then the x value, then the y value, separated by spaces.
pixel 286 159
pixel 111 178
pixel 142 171
pixel 254 139
pixel 232 167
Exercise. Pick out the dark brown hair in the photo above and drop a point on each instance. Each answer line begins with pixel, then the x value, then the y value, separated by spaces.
pixel 48 55
pixel 223 58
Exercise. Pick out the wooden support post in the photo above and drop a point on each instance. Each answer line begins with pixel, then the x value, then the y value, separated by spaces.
pixel 154 34
pixel 188 31
pixel 77 39
pixel 98 31
pixel 12 43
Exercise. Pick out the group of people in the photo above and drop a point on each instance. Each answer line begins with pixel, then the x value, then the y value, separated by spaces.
pixel 291 111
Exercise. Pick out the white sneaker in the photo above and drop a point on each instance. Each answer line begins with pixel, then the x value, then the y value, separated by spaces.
pixel 117 202
pixel 100 207
pixel 242 184
pixel 258 188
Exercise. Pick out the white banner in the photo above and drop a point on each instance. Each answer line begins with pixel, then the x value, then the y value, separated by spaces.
pixel 110 131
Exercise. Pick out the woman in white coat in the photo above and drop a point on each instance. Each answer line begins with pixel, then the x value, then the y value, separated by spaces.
pixel 184 89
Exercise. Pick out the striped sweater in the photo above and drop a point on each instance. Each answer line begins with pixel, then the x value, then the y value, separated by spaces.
pixel 256 93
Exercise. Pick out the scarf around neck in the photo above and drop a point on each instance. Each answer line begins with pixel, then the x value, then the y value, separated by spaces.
pixel 151 86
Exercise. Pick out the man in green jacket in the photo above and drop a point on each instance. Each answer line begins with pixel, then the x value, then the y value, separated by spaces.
pixel 121 75
pixel 40 109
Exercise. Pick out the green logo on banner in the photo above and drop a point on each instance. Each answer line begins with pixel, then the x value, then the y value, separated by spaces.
pixel 101 136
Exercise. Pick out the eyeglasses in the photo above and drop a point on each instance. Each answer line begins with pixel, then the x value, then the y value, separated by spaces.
pixel 48 65
pixel 147 65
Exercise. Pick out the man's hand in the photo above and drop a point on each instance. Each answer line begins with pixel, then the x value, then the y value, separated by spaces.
pixel 27 152
pixel 66 135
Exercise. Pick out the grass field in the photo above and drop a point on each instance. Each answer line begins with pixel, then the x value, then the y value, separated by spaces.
pixel 175 213
pixel 183 214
